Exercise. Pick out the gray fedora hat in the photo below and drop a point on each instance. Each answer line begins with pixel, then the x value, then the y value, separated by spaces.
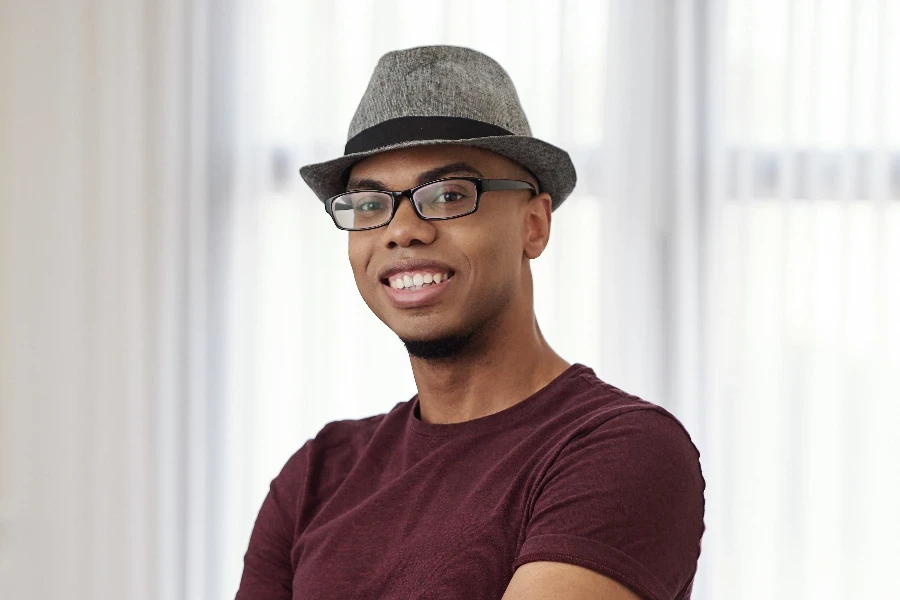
pixel 443 95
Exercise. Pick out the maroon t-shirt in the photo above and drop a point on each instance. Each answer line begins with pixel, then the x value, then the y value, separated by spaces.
pixel 392 507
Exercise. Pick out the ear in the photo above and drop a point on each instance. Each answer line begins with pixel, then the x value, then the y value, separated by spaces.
pixel 536 225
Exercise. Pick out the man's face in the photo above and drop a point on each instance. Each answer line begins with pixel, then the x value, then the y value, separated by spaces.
pixel 480 258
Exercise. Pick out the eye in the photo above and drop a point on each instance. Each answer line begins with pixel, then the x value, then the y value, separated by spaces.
pixel 370 204
pixel 451 195
pixel 445 194
pixel 446 197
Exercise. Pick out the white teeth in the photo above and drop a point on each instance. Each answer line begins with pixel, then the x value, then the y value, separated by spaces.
pixel 417 281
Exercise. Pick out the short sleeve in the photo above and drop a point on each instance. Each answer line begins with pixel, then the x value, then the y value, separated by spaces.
pixel 625 499
pixel 268 572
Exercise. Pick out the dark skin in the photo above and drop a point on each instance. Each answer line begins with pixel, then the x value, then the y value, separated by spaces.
pixel 491 297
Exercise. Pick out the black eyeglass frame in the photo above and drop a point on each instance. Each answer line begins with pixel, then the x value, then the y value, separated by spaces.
pixel 481 185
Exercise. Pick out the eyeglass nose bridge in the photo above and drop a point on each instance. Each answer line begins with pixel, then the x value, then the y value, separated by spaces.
pixel 398 198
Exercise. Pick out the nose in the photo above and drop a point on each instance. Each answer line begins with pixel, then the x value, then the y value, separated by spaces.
pixel 406 228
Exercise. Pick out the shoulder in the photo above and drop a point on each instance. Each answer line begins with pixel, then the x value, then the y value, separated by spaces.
pixel 628 452
pixel 343 440
pixel 623 494
pixel 337 443
pixel 606 410
pixel 643 443
pixel 344 431
pixel 650 450
pixel 618 408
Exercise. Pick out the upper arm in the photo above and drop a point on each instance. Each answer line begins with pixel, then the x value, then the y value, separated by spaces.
pixel 624 500
pixel 543 579
pixel 268 572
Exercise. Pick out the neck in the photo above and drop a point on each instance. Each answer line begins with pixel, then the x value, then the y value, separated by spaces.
pixel 500 369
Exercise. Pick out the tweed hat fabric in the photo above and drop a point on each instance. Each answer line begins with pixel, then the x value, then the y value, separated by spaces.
pixel 443 95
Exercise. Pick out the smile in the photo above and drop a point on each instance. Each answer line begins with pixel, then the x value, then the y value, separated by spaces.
pixel 415 289
pixel 414 280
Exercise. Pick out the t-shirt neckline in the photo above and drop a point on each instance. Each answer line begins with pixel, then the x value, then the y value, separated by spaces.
pixel 497 419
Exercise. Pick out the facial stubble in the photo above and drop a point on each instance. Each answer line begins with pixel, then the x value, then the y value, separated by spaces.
pixel 451 346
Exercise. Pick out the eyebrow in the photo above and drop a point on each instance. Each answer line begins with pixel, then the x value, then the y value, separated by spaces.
pixel 457 168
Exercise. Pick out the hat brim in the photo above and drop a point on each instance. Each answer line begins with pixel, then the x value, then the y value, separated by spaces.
pixel 551 165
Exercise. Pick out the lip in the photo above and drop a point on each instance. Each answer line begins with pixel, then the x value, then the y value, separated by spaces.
pixel 416 264
pixel 416 298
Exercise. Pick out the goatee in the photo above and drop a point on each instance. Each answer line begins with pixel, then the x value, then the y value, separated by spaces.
pixel 445 347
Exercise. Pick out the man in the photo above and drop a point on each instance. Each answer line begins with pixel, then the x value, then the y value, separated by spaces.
pixel 511 474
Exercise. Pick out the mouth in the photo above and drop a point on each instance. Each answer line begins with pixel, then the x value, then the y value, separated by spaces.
pixel 410 289
pixel 416 280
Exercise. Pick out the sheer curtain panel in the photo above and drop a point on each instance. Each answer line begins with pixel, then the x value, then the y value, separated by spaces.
pixel 111 187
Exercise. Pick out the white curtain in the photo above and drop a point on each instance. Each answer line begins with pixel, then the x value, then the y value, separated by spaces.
pixel 803 369
pixel 169 287
pixel 111 179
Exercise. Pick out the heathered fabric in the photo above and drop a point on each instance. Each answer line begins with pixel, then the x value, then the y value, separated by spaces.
pixel 391 507
pixel 448 81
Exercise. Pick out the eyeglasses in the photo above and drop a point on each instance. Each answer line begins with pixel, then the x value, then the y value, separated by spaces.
pixel 358 210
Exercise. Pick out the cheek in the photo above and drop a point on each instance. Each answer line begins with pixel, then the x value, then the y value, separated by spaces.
pixel 358 255
pixel 496 260
pixel 502 248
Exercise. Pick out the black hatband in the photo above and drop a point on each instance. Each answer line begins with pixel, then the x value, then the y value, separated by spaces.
pixel 416 129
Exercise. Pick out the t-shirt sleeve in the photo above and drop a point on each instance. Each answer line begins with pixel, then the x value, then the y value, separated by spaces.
pixel 268 572
pixel 625 499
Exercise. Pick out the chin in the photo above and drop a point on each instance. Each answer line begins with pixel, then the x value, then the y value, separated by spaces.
pixel 422 332
pixel 436 348
pixel 434 339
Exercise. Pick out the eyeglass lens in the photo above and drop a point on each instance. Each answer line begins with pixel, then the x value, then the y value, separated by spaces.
pixel 438 200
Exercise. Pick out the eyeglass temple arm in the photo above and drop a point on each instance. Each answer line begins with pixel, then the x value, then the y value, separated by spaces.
pixel 491 185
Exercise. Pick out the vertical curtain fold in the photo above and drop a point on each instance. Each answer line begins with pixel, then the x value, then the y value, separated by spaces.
pixel 105 215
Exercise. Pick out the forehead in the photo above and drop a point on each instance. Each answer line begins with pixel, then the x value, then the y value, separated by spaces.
pixel 409 162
